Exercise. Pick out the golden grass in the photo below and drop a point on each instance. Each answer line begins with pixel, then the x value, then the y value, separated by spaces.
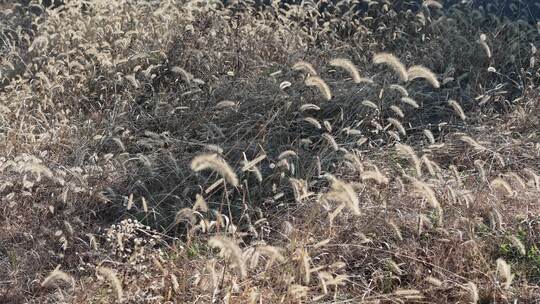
pixel 393 62
pixel 419 71
pixel 184 146
pixel 315 81
pixel 348 66
pixel 216 163
pixel 113 281
pixel 306 67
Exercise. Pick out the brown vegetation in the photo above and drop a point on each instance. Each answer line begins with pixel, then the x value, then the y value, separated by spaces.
pixel 186 151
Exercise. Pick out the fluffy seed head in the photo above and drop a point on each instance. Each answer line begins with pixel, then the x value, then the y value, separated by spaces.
pixel 484 45
pixel 330 139
pixel 113 280
pixel 130 202
pixel 429 136
pixel 200 204
pixel 429 164
pixel 419 71
pixel 502 184
pixel 370 104
pixel 186 76
pixel 306 67
pixel 397 125
pixel 314 81
pixel 144 204
pixel 409 152
pixel 393 62
pixel 397 110
pixel 394 135
pixel 185 215
pixel 473 292
pixel 225 104
pixel 216 163
pixel 286 154
pixel 427 193
pixel 309 106
pixel 473 143
pixel 505 273
pixel 305 265
pixel 396 229
pixel 347 65
pixel 229 250
pixel 273 253
pixel 457 109
pixel 401 89
pixel 432 3
pixel 57 275
pixel 313 122
pixel 434 281
pixel 348 192
pixel 518 244
pixel 410 102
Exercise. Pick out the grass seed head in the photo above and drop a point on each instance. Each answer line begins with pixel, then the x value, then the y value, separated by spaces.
pixel 312 121
pixel 200 204
pixel 401 89
pixel 216 163
pixel 419 71
pixel 315 81
pixel 348 66
pixel 115 283
pixel 432 4
pixel 229 250
pixel 505 273
pixel 397 125
pixel 370 104
pixel 393 62
pixel 457 109
pixel 518 244
pixel 306 67
pixel 55 276
pixel 473 143
pixel 409 152
pixel 410 101
pixel 429 136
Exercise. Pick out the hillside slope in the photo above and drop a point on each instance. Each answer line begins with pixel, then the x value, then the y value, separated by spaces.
pixel 193 152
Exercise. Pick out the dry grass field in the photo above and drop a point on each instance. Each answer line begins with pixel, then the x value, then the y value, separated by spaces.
pixel 190 151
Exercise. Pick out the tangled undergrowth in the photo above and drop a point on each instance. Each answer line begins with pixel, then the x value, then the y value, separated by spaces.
pixel 187 151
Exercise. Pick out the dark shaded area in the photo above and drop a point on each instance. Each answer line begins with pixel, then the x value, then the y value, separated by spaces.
pixel 52 3
pixel 528 10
